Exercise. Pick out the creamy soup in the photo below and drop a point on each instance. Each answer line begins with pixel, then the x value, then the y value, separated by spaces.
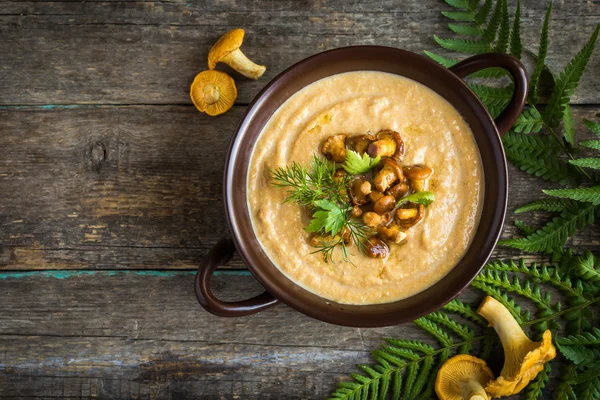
pixel 434 133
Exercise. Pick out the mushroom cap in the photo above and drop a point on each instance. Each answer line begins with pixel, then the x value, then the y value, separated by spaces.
pixel 227 43
pixel 213 92
pixel 457 378
pixel 521 366
pixel 523 358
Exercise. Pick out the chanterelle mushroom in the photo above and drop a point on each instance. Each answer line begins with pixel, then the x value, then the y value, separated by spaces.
pixel 388 144
pixel 213 92
pixel 463 377
pixel 523 358
pixel 227 50
pixel 334 148
pixel 390 173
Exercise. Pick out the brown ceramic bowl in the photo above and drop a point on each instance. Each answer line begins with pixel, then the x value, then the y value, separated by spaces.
pixel 447 83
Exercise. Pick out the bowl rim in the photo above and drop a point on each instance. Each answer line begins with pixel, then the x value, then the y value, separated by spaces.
pixel 332 316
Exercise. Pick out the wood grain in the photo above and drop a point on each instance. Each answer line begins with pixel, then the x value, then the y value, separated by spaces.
pixel 132 187
pixel 108 331
pixel 154 48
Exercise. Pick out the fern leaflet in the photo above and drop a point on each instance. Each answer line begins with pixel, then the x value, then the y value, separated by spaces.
pixel 587 195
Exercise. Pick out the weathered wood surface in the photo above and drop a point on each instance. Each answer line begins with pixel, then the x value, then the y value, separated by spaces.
pixel 149 52
pixel 136 187
pixel 106 167
pixel 123 332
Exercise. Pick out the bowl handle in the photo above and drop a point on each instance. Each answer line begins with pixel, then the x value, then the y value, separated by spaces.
pixel 219 255
pixel 519 76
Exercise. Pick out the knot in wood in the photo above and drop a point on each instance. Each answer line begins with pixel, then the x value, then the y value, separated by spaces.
pixel 97 155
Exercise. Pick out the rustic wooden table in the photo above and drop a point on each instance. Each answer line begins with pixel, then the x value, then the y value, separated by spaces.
pixel 110 193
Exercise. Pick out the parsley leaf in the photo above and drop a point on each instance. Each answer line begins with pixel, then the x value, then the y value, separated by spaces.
pixel 329 218
pixel 425 198
pixel 355 164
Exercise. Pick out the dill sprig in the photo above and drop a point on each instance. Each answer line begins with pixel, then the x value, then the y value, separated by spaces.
pixel 326 197
pixel 306 187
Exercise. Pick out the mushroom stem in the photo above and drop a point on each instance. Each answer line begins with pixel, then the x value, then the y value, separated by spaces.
pixel 474 391
pixel 509 331
pixel 211 93
pixel 242 64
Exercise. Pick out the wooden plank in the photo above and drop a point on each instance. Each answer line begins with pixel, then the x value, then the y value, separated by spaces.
pixel 111 335
pixel 154 49
pixel 135 187
pixel 115 334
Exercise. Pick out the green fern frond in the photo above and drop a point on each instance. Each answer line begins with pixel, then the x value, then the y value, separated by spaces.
pixel 535 389
pixel 526 290
pixel 523 227
pixel 587 194
pixel 594 127
pixel 533 145
pixel 503 34
pixel 413 345
pixel 585 268
pixel 463 46
pixel 483 12
pixel 465 29
pixel 493 96
pixel 541 58
pixel 564 390
pixel 502 297
pixel 459 16
pixel 549 168
pixel 589 162
pixel 463 309
pixel 580 354
pixel 462 4
pixel 583 339
pixel 530 120
pixel 438 333
pixel 591 144
pixel 568 81
pixel 589 390
pixel 446 62
pixel 554 235
pixel 422 378
pixel 491 30
pixel 516 46
pixel 550 205
pixel 569 125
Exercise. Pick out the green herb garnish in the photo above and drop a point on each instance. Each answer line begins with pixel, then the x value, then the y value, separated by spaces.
pixel 425 198
pixel 326 198
pixel 306 187
pixel 355 164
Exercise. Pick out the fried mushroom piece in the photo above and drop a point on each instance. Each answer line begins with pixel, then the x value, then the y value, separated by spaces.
pixel 398 191
pixel 371 219
pixel 375 195
pixel 360 143
pixel 359 189
pixel 390 173
pixel 388 144
pixel 393 233
pixel 417 176
pixel 376 248
pixel 334 148
pixel 384 204
pixel 409 215
pixel 356 212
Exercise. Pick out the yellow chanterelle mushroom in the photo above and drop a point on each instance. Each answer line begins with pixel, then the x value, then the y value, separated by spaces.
pixel 463 377
pixel 523 358
pixel 227 50
pixel 213 92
